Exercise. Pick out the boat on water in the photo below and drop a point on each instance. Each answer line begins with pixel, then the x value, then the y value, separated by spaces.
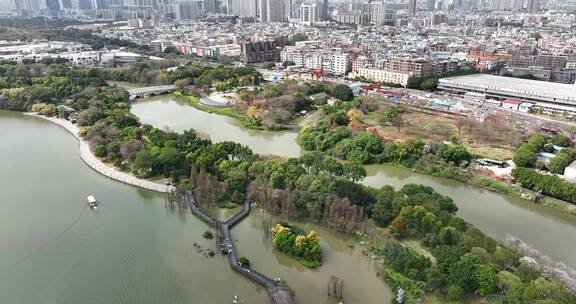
pixel 92 202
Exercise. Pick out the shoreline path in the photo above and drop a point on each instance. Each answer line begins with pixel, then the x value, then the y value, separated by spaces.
pixel 96 164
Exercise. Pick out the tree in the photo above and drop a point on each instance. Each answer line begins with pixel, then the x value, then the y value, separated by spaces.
pixel 343 92
pixel 338 118
pixel 181 83
pixel 244 261
pixel 171 50
pixel 463 272
pixel 448 235
pixel 455 292
pixel 143 162
pixel 41 93
pixel 561 141
pixel 429 84
pixel 223 59
pixel 486 277
pixel 354 171
pixel 505 258
pixel 44 109
pixel 525 157
pixel 398 122
pixel 559 163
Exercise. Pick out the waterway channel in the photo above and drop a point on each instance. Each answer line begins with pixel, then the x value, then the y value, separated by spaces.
pixel 548 230
pixel 132 250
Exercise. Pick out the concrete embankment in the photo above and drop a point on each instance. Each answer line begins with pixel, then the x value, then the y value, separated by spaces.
pixel 96 164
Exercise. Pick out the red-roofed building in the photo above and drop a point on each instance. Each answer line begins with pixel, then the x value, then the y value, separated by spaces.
pixel 511 104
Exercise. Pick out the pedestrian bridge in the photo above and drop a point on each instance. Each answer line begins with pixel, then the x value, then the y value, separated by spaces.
pixel 278 294
pixel 150 91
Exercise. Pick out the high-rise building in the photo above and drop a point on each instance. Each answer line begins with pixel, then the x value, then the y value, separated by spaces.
pixel 259 51
pixel 211 6
pixel 245 8
pixel 53 5
pixel 496 5
pixel 262 10
pixel 430 4
pixel 532 5
pixel 309 13
pixel 30 7
pixel 63 4
pixel 288 9
pixel 383 12
pixel 517 5
pixel 412 7
pixel 274 11
pixel 324 10
pixel 186 10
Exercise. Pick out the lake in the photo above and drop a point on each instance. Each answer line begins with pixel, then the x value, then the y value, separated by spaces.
pixel 131 249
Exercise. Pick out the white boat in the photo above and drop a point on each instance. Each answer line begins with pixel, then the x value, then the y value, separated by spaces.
pixel 92 202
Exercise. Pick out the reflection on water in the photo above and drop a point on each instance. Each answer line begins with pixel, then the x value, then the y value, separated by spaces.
pixel 544 228
pixel 167 111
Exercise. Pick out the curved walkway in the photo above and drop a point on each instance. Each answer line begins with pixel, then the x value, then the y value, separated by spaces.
pixel 278 294
pixel 96 164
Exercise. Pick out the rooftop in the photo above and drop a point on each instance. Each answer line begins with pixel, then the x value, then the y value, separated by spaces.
pixel 518 85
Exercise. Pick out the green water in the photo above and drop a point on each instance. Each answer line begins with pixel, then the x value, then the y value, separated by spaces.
pixel 54 249
pixel 167 111
pixel 131 250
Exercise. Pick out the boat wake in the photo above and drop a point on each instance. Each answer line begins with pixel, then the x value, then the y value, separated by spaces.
pixel 52 240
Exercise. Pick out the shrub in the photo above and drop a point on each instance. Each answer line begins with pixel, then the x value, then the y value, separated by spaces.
pixel 208 235
pixel 455 292
pixel 244 261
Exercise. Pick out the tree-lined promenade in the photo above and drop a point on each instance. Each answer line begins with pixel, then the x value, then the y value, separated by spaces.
pixel 88 157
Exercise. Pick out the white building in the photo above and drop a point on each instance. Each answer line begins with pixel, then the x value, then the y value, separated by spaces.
pixel 341 64
pixel 309 13
pixel 384 76
pixel 313 61
pixel 570 171
pixel 83 58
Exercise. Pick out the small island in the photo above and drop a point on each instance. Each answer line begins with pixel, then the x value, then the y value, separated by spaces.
pixel 294 242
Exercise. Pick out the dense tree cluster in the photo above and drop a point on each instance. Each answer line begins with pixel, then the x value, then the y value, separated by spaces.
pixel 430 83
pixel 338 136
pixel 527 154
pixel 549 184
pixel 526 157
pixel 466 260
pixel 295 242
pixel 23 85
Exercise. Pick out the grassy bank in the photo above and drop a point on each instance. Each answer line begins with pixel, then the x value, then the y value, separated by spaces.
pixel 465 176
pixel 562 206
pixel 246 121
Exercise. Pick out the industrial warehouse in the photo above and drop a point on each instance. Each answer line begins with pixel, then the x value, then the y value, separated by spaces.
pixel 551 97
